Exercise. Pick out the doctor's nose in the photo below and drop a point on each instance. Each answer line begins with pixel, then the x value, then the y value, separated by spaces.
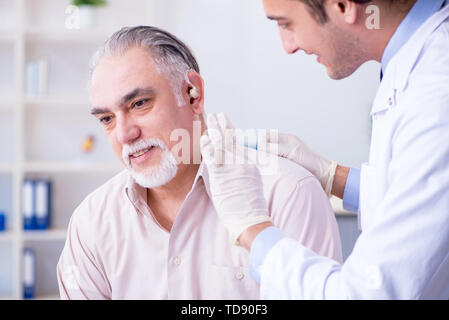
pixel 289 42
pixel 126 131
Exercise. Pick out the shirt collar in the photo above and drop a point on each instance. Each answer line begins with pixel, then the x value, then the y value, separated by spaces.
pixel 421 11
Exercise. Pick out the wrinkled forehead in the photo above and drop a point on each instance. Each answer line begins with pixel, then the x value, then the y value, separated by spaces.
pixel 118 74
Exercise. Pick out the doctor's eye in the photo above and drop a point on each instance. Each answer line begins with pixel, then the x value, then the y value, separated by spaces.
pixel 105 119
pixel 283 25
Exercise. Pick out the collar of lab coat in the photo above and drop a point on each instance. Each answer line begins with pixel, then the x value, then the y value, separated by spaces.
pixel 421 11
pixel 402 64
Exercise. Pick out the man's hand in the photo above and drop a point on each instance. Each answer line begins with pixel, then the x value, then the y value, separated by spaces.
pixel 235 183
pixel 291 147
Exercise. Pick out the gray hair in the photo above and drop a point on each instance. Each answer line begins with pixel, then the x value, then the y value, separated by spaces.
pixel 172 56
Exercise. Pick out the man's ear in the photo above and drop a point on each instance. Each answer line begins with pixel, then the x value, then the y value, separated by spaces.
pixel 342 11
pixel 195 91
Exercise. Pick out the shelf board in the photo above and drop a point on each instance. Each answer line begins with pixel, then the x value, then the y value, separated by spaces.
pixel 66 35
pixel 62 102
pixel 6 168
pixel 7 35
pixel 57 167
pixel 50 234
pixel 6 107
pixel 6 103
pixel 6 236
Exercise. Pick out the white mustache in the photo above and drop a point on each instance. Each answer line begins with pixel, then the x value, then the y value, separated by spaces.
pixel 141 145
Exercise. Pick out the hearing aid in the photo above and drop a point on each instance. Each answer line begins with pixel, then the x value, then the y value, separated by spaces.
pixel 194 93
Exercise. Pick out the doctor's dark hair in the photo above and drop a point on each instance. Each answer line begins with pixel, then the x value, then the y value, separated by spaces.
pixel 316 8
pixel 172 56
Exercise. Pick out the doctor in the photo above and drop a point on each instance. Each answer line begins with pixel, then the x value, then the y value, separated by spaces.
pixel 401 194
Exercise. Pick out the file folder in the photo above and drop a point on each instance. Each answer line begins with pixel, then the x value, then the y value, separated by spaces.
pixel 2 221
pixel 43 201
pixel 28 205
pixel 29 273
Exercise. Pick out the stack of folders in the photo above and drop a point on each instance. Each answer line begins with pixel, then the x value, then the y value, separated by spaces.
pixel 29 273
pixel 36 204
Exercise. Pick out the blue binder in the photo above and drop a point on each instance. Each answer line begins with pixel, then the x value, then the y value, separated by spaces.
pixel 28 205
pixel 29 273
pixel 42 189
pixel 2 221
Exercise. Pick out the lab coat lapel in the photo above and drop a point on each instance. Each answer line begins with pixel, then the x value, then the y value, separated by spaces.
pixel 402 64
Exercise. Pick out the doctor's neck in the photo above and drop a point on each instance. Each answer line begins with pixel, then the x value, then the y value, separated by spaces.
pixel 391 14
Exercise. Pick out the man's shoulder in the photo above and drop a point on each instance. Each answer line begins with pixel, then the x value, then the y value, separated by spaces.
pixel 282 174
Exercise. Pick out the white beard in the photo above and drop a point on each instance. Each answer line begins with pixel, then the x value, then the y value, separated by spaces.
pixel 155 176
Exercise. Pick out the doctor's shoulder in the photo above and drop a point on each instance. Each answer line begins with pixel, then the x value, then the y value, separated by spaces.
pixel 426 95
pixel 432 65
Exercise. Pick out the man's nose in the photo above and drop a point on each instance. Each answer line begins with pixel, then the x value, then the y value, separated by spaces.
pixel 127 130
pixel 289 42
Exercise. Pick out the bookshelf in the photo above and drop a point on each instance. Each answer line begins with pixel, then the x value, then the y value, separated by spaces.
pixel 40 137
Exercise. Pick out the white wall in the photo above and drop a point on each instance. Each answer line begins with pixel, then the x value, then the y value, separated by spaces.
pixel 250 77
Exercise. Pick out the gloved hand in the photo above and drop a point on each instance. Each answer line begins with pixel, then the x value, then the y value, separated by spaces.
pixel 235 183
pixel 291 147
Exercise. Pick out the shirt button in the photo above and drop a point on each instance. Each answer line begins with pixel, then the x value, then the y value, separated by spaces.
pixel 239 275
pixel 390 101
pixel 176 261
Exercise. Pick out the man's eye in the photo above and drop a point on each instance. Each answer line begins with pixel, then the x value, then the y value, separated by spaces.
pixel 140 103
pixel 283 25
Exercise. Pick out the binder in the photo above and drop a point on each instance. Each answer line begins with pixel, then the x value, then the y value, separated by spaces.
pixel 31 79
pixel 28 205
pixel 42 200
pixel 29 273
pixel 36 77
pixel 2 221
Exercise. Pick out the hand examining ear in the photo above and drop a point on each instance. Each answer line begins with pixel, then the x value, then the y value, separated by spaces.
pixel 235 183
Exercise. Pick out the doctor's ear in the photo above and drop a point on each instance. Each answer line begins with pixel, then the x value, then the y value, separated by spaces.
pixel 343 10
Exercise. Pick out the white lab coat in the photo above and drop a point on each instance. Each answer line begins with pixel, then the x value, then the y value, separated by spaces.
pixel 403 250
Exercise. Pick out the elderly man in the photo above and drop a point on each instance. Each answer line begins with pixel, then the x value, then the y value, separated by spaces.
pixel 151 232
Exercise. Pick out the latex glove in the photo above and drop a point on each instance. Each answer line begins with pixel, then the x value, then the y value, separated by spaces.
pixel 291 147
pixel 235 183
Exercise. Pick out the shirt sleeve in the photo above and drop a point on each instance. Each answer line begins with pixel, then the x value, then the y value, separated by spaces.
pixel 79 274
pixel 305 214
pixel 351 192
pixel 262 243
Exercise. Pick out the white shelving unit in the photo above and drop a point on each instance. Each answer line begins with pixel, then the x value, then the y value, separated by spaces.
pixel 38 29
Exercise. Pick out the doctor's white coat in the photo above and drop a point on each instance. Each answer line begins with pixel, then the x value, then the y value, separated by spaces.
pixel 403 250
